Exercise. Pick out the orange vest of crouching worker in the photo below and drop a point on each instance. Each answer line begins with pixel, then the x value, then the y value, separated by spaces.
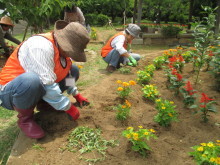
pixel 12 68
pixel 107 48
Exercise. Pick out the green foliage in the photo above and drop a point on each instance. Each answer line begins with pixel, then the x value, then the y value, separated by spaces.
pixel 93 34
pixel 170 31
pixel 150 92
pixel 124 88
pixel 144 77
pixel 159 61
pixel 150 69
pixel 166 112
pixel 215 64
pixel 87 140
pixel 187 56
pixel 123 111
pixel 138 138
pixel 207 153
pixel 102 19
pixel 204 36
pixel 125 70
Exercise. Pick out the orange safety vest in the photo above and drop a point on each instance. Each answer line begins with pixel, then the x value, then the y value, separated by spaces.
pixel 107 48
pixel 12 68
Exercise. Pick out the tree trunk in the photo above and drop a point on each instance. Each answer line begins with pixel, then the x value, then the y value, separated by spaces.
pixel 135 11
pixel 217 18
pixel 139 12
pixel 191 5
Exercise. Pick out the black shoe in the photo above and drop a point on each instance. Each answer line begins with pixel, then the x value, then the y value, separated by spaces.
pixel 110 68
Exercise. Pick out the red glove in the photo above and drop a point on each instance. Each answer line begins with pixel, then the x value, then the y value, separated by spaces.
pixel 81 100
pixel 73 112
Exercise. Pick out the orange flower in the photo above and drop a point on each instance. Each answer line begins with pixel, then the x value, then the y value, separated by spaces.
pixel 120 89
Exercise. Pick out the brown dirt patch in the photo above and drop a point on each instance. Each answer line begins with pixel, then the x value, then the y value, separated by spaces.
pixel 171 147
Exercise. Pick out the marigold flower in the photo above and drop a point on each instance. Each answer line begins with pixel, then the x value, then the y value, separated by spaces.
pixel 200 149
pixel 170 114
pixel 212 159
pixel 120 89
pixel 171 102
pixel 158 100
pixel 217 160
pixel 218 141
pixel 128 136
pixel 127 103
pixel 152 130
pixel 129 128
pixel 203 144
pixel 131 82
pixel 119 81
pixel 140 126
pixel 80 66
pixel 125 84
pixel 124 106
pixel 146 133
pixel 163 107
pixel 210 145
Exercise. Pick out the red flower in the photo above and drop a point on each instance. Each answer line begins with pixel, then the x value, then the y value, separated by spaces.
pixel 172 59
pixel 211 53
pixel 205 98
pixel 174 72
pixel 202 106
pixel 188 86
pixel 179 77
pixel 181 58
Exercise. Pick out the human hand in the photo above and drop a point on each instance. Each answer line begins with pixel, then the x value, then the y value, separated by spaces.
pixel 82 101
pixel 133 61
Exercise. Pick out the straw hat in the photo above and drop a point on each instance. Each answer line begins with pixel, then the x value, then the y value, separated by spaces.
pixel 133 30
pixel 72 38
pixel 6 21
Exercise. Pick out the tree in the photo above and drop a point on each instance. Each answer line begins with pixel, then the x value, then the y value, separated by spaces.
pixel 36 13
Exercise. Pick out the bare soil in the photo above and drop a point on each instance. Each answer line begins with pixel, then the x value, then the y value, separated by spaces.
pixel 171 147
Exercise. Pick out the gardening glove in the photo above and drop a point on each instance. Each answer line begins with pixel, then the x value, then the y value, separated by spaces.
pixel 132 60
pixel 82 101
pixel 73 113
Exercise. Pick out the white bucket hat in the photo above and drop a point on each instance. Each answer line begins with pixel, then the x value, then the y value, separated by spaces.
pixel 72 38
pixel 133 30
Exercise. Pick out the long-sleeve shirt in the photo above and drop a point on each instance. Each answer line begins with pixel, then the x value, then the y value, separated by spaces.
pixel 118 43
pixel 37 55
pixel 6 35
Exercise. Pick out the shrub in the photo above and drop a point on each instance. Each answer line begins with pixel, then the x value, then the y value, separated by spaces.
pixel 102 19
pixel 170 31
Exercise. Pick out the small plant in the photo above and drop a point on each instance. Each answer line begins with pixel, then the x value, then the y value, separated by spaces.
pixel 189 94
pixel 150 69
pixel 166 112
pixel 206 106
pixel 150 92
pixel 125 70
pixel 93 34
pixel 159 61
pixel 124 90
pixel 143 77
pixel 138 138
pixel 123 111
pixel 178 62
pixel 187 56
pixel 88 140
pixel 38 147
pixel 207 153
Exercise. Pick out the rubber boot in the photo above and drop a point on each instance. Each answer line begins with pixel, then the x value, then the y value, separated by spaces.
pixel 28 125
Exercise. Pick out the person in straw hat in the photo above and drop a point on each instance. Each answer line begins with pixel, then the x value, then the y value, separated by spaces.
pixel 117 48
pixel 41 69
pixel 6 24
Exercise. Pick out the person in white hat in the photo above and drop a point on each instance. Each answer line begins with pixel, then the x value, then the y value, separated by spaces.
pixel 41 69
pixel 6 24
pixel 116 50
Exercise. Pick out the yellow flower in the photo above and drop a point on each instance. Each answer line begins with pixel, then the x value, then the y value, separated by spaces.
pixel 200 149
pixel 120 89
pixel 170 114
pixel 125 84
pixel 163 107
pixel 203 144
pixel 131 82
pixel 146 133
pixel 128 136
pixel 158 100
pixel 127 103
pixel 203 155
pixel 140 126
pixel 129 128
pixel 171 102
pixel 210 145
pixel 218 141
pixel 212 159
pixel 217 160
pixel 80 66
pixel 152 130
pixel 135 136
pixel 123 106
pixel 119 81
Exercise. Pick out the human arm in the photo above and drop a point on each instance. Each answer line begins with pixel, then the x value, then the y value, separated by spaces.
pixel 11 38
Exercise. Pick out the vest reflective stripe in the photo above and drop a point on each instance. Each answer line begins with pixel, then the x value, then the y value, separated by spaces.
pixel 107 48
pixel 12 68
